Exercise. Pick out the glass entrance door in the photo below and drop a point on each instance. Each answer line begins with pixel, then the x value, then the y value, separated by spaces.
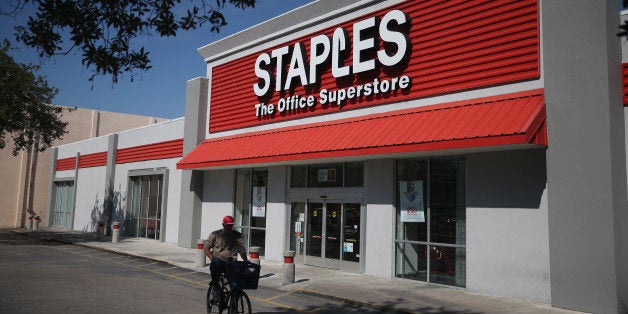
pixel 351 228
pixel 327 234
pixel 333 216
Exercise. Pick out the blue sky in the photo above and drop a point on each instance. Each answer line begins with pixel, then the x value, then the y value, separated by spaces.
pixel 160 91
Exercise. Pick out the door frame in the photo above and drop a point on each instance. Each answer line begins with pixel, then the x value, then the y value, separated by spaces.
pixel 53 202
pixel 356 197
pixel 164 195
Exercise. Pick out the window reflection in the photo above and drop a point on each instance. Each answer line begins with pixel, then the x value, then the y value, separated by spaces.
pixel 442 251
pixel 250 206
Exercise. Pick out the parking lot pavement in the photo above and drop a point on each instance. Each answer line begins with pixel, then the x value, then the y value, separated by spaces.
pixel 384 294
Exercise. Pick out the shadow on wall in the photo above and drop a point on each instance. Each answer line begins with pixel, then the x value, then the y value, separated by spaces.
pixel 95 217
pixel 510 179
pixel 112 210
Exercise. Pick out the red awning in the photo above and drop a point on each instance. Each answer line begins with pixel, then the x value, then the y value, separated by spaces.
pixel 502 120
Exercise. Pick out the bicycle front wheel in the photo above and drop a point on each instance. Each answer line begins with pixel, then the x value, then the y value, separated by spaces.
pixel 242 304
pixel 213 306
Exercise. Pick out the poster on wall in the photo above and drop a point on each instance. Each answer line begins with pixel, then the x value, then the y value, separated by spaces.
pixel 327 175
pixel 411 196
pixel 259 201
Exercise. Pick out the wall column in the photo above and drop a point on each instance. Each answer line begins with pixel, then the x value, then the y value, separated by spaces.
pixel 586 162
pixel 190 214
pixel 379 234
pixel 51 189
pixel 110 176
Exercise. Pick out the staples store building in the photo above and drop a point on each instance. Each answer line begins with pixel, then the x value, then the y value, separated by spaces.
pixel 477 144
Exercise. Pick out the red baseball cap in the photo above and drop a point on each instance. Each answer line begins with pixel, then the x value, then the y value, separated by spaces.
pixel 228 220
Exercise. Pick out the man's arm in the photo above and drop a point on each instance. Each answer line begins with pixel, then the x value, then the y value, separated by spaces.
pixel 243 255
pixel 242 248
pixel 207 246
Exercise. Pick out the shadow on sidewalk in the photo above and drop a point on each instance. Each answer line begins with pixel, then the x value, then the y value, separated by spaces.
pixel 46 237
pixel 389 307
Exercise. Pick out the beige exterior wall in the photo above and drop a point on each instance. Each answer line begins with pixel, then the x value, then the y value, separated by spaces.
pixel 15 171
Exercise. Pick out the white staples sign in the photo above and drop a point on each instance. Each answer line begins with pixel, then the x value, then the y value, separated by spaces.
pixel 324 49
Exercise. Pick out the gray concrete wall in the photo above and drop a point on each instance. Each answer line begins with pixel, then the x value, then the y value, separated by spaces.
pixel 586 155
pixel 192 181
pixel 380 217
pixel 621 233
pixel 218 196
pixel 276 213
pixel 624 40
pixel 507 232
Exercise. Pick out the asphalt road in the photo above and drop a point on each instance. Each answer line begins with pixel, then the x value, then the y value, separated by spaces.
pixel 38 276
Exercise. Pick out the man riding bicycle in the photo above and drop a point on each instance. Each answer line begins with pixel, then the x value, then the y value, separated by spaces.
pixel 222 247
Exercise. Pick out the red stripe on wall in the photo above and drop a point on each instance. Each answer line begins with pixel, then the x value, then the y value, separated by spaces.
pixel 456 45
pixel 161 150
pixel 65 164
pixel 93 160
pixel 624 82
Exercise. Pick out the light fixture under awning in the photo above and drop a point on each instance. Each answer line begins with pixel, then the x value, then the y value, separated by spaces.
pixel 501 120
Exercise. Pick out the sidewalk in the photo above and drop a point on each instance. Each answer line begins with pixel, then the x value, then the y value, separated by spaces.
pixel 387 295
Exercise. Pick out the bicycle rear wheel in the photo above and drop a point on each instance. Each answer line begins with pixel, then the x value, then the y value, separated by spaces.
pixel 242 304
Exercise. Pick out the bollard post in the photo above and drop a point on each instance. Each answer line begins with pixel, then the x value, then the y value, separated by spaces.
pixel 116 233
pixel 101 231
pixel 201 258
pixel 29 226
pixel 288 268
pixel 36 221
pixel 254 254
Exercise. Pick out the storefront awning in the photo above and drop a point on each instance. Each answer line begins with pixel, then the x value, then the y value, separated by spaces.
pixel 503 120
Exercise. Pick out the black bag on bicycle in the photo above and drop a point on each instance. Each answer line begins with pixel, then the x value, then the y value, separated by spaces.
pixel 245 274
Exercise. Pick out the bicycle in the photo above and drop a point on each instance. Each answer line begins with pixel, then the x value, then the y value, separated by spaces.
pixel 246 275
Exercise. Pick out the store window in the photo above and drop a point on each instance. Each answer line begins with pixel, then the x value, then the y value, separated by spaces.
pixel 327 175
pixel 430 243
pixel 143 218
pixel 250 206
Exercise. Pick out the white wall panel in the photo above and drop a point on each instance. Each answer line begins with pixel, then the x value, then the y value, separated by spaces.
pixel 507 225
pixel 155 133
pixel 379 232
pixel 94 145
pixel 217 199
pixel 276 213
pixel 90 195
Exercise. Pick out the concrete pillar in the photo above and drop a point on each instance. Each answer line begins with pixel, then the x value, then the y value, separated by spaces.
pixel 254 254
pixel 196 102
pixel 109 205
pixel 201 258
pixel 36 222
pixel 100 232
pixel 288 268
pixel 586 157
pixel 116 233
